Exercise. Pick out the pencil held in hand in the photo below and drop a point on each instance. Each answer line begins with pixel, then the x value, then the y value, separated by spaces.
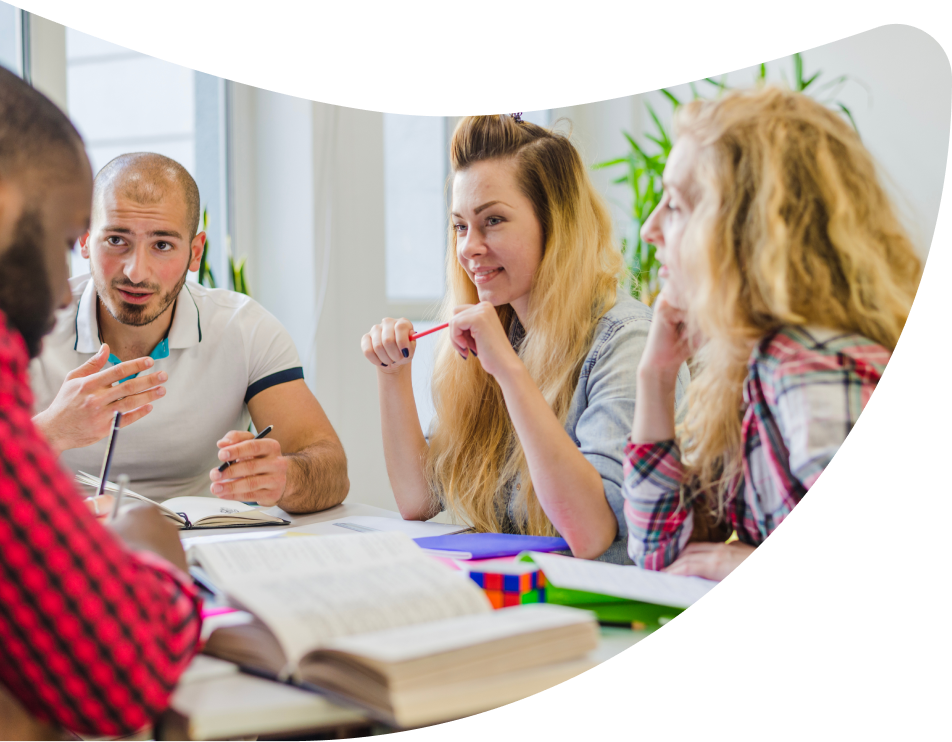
pixel 416 335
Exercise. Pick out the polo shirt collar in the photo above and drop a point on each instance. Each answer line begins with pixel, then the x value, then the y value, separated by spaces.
pixel 186 329
pixel 87 326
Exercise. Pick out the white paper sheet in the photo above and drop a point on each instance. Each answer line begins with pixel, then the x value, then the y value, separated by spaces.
pixel 622 581
pixel 413 528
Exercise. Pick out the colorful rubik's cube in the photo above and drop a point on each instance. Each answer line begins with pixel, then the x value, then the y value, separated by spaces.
pixel 504 590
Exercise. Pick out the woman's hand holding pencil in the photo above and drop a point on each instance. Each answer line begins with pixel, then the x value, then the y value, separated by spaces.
pixel 474 330
pixel 390 345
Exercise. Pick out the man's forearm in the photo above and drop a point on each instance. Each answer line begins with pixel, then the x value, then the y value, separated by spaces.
pixel 316 478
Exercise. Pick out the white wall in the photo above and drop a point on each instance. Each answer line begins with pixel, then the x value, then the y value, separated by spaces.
pixel 900 97
pixel 309 203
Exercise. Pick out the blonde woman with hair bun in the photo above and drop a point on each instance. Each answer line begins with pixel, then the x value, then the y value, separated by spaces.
pixel 534 383
pixel 788 279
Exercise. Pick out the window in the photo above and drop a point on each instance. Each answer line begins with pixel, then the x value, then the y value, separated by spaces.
pixel 123 101
pixel 11 38
pixel 414 206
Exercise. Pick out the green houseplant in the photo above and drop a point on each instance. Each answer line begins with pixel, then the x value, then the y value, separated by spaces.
pixel 206 277
pixel 644 163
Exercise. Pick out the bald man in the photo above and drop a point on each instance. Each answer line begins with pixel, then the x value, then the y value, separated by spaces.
pixel 194 365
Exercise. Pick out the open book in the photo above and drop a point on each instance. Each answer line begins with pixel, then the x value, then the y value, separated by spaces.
pixel 198 512
pixel 371 619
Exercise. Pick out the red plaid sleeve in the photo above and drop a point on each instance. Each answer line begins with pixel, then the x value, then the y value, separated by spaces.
pixel 93 637
pixel 658 527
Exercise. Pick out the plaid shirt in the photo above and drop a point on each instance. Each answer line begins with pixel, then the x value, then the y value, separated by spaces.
pixel 804 391
pixel 93 637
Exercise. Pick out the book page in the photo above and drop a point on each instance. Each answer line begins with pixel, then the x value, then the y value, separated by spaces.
pixel 306 610
pixel 622 581
pixel 412 642
pixel 297 557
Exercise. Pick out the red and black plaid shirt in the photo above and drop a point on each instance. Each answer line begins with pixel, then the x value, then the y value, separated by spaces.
pixel 93 637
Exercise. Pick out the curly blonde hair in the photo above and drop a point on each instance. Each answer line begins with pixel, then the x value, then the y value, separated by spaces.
pixel 790 226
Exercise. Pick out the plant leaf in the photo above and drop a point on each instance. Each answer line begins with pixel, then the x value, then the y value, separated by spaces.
pixel 716 83
pixel 671 97
pixel 808 81
pixel 610 163
pixel 849 115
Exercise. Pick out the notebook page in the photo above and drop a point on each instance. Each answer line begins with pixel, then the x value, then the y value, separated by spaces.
pixel 305 612
pixel 238 561
pixel 622 581
pixel 197 508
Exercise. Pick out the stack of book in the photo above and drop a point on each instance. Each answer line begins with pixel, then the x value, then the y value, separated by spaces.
pixel 370 619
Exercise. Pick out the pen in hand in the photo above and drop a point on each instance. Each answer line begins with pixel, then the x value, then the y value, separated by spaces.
pixel 107 460
pixel 260 435
pixel 416 335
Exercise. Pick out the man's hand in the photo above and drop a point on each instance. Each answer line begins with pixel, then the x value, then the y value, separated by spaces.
pixel 82 412
pixel 712 561
pixel 144 528
pixel 259 473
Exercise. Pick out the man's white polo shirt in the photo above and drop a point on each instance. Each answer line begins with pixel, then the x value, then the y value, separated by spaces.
pixel 224 348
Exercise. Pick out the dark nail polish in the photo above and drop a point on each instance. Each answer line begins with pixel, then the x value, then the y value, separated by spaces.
pixel 384 365
pixel 474 353
pixel 406 352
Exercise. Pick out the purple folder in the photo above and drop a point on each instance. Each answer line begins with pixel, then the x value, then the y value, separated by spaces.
pixel 489 545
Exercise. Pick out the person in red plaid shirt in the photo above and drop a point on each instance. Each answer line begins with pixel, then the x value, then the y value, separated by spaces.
pixel 96 625
pixel 788 280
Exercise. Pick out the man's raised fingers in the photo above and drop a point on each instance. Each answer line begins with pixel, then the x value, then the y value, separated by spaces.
pixel 137 414
pixel 137 385
pixel 92 366
pixel 135 401
pixel 127 368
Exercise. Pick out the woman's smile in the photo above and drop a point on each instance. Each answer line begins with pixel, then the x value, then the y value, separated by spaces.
pixel 482 276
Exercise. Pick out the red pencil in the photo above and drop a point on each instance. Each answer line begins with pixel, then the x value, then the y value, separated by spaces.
pixel 416 335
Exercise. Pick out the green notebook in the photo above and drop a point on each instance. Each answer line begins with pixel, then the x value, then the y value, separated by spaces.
pixel 617 593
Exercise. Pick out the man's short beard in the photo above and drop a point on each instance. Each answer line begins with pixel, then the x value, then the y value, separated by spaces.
pixel 26 296
pixel 133 314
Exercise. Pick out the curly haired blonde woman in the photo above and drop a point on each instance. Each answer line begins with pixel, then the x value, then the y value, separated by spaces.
pixel 789 279
pixel 534 384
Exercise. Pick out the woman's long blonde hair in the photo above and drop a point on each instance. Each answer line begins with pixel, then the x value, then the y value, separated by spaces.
pixel 791 226
pixel 474 451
